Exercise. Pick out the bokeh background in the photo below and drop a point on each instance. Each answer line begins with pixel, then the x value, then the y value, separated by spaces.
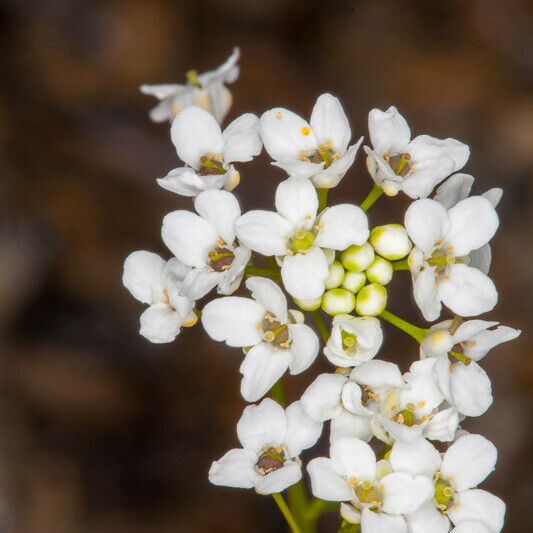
pixel 101 431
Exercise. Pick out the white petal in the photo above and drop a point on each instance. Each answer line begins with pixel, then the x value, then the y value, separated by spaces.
pixel 235 469
pixel 264 232
pixel 471 526
pixel 231 278
pixel 428 519
pixel 372 522
pixel 488 339
pixel 326 483
pixel 304 275
pixel 302 430
pixel 404 493
pixel 269 295
pixel 469 461
pixel 352 399
pixel 304 347
pixel 278 480
pixel 493 195
pixel 329 123
pixel 321 400
pixel 454 189
pixel 160 323
pixel 261 368
pixel 467 291
pixel 426 294
pixel 471 328
pixel 234 320
pixel 199 281
pixel 221 209
pixel 227 72
pixel 473 222
pixel 471 389
pixel 186 182
pixel 341 226
pixel 481 506
pixel 189 237
pixel 143 276
pixel 378 375
pixel 285 134
pixel 443 425
pixel 331 176
pixel 426 221
pixel 195 133
pixel 422 388
pixel 262 425
pixel 424 175
pixel 354 458
pixel 162 90
pixel 348 425
pixel 425 147
pixel 481 258
pixel 389 131
pixel 297 201
pixel 350 513
pixel 416 457
pixel 241 139
pixel 298 168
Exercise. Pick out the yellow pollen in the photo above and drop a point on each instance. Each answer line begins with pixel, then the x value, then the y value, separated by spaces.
pixel 278 115
pixel 329 144
pixel 304 156
pixel 449 247
pixel 421 404
pixel 446 278
pixel 471 344
pixel 305 130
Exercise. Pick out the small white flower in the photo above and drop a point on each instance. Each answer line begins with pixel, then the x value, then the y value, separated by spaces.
pixel 463 382
pixel 271 440
pixel 351 473
pixel 317 150
pixel 205 90
pixel 466 463
pixel 439 262
pixel 353 340
pixel 413 166
pixel 158 283
pixel 206 242
pixel 274 342
pixel 209 152
pixel 300 238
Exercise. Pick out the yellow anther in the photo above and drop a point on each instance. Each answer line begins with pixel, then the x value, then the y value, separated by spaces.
pixel 449 247
pixel 421 404
pixel 303 156
pixel 278 115
pixel 306 130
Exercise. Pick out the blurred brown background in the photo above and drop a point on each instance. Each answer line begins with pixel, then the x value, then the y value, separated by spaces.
pixel 102 431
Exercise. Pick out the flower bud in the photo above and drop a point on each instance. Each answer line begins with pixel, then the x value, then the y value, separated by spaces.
pixel 357 258
pixel 309 305
pixel 391 241
pixel 371 300
pixel 354 281
pixel 380 271
pixel 336 301
pixel 336 275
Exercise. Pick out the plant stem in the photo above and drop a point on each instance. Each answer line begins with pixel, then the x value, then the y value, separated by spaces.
pixel 260 271
pixel 277 392
pixel 373 195
pixel 278 498
pixel 299 504
pixel 322 199
pixel 320 325
pixel 417 333
pixel 400 265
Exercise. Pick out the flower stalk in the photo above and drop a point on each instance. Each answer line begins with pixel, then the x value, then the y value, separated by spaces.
pixel 371 198
pixel 417 333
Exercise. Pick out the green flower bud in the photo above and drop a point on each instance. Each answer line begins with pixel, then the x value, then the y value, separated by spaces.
pixel 336 275
pixel 380 271
pixel 309 305
pixel 371 300
pixel 336 301
pixel 391 241
pixel 357 258
pixel 354 281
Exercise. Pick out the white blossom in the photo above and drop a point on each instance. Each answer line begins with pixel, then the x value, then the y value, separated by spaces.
pixel 413 166
pixel 208 152
pixel 439 262
pixel 318 149
pixel 272 439
pixel 157 283
pixel 275 339
pixel 207 90
pixel 300 238
pixel 206 243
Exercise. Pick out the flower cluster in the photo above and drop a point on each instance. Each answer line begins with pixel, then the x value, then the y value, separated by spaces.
pixel 399 459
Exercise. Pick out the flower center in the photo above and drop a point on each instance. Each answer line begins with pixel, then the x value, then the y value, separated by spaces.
pixel 211 164
pixel 444 494
pixel 368 395
pixel 324 154
pixel 367 492
pixel 270 460
pixel 302 241
pixel 192 79
pixel 221 258
pixel 275 332
pixel 406 416
pixel 349 341
pixel 400 163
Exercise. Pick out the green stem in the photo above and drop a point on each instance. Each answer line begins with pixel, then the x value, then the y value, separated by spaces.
pixel 320 324
pixel 400 265
pixel 277 392
pixel 417 333
pixel 260 271
pixel 299 503
pixel 278 498
pixel 322 199
pixel 373 195
pixel 461 357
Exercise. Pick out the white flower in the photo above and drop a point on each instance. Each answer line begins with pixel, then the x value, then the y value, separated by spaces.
pixel 439 262
pixel 206 242
pixel 157 282
pixel 271 440
pixel 413 166
pixel 299 237
pixel 209 152
pixel 463 382
pixel 351 473
pixel 317 150
pixel 466 463
pixel 205 90
pixel 353 340
pixel 262 324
